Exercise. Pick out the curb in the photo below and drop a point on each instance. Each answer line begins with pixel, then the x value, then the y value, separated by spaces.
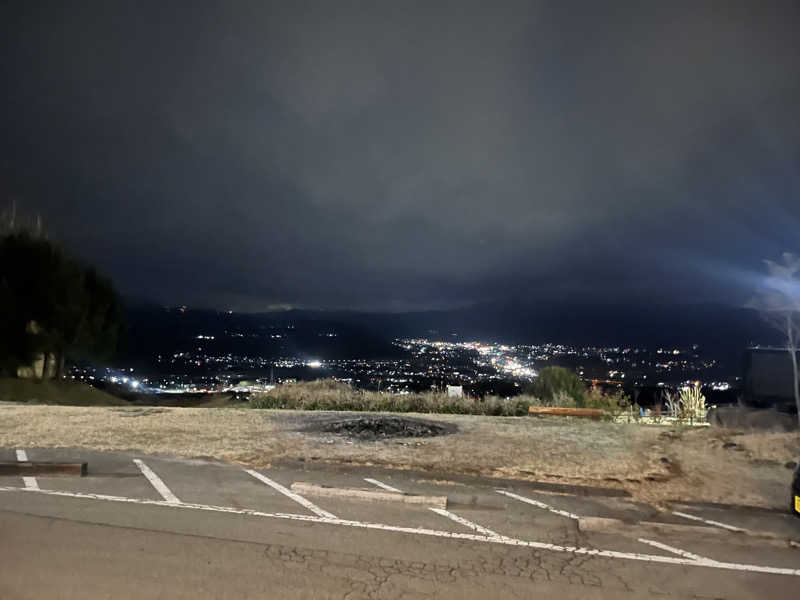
pixel 485 481
pixel 634 529
pixel 771 510
pixel 496 501
pixel 602 524
pixel 312 489
pixel 34 469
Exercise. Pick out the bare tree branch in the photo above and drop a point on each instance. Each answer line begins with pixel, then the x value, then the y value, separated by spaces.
pixel 779 304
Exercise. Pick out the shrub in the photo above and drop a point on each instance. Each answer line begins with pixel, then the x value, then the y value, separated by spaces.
pixel 692 403
pixel 329 394
pixel 553 383
pixel 656 413
pixel 563 399
pixel 671 404
pixel 613 403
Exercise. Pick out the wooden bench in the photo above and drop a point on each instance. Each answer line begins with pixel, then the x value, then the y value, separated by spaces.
pixel 593 413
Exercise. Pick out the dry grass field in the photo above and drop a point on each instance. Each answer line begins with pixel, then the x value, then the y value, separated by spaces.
pixel 653 463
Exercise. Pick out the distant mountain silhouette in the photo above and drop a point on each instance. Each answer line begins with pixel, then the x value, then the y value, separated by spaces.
pixel 723 331
pixel 155 330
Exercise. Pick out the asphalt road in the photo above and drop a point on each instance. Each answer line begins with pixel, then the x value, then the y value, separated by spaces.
pixel 154 527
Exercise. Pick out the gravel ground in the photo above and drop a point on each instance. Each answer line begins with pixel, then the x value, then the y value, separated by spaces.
pixel 653 463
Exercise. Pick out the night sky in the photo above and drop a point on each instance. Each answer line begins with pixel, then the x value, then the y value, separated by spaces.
pixel 398 156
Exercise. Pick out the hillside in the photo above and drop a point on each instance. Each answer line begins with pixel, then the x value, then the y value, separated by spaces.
pixel 65 393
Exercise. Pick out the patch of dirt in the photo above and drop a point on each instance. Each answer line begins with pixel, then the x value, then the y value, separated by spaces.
pixel 381 428
pixel 138 412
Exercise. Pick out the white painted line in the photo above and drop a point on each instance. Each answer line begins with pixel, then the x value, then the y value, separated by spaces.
pixel 110 498
pixel 443 513
pixel 651 558
pixel 380 484
pixel 30 482
pixel 290 494
pixel 714 523
pixel 154 479
pixel 465 523
pixel 674 550
pixel 563 513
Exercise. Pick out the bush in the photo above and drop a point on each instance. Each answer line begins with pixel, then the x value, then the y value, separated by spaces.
pixel 329 394
pixel 692 404
pixel 557 385
pixel 563 400
pixel 612 403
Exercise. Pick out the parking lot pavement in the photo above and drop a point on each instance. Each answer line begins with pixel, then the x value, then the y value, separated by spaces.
pixel 486 522
pixel 112 474
pixel 7 454
pixel 203 483
pixel 780 523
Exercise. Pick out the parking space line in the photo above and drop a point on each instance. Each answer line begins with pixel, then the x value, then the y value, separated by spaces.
pixel 612 554
pixel 157 483
pixel 443 513
pixel 674 550
pixel 538 504
pixel 465 523
pixel 380 484
pixel 30 482
pixel 290 494
pixel 709 522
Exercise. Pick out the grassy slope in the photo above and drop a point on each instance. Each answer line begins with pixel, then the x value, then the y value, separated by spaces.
pixel 71 393
pixel 706 467
pixel 66 393
pixel 709 468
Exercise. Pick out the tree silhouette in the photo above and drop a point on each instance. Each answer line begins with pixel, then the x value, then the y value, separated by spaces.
pixel 53 305
pixel 558 380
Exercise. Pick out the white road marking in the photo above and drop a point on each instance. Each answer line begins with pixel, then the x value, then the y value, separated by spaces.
pixel 155 480
pixel 674 550
pixel 443 513
pixel 714 523
pixel 652 558
pixel 380 484
pixel 30 482
pixel 465 523
pixel 290 494
pixel 563 513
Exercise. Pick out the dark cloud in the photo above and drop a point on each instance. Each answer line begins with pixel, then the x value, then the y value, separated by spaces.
pixel 400 155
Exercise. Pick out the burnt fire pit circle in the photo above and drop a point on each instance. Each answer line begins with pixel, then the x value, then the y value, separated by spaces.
pixel 382 427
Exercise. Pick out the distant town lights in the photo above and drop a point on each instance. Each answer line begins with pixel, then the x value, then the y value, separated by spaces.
pixel 314 364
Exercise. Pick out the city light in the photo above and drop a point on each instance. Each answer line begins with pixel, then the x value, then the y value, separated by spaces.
pixel 482 367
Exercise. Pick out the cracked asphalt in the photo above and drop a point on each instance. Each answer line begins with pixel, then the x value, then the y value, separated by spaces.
pixel 227 534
